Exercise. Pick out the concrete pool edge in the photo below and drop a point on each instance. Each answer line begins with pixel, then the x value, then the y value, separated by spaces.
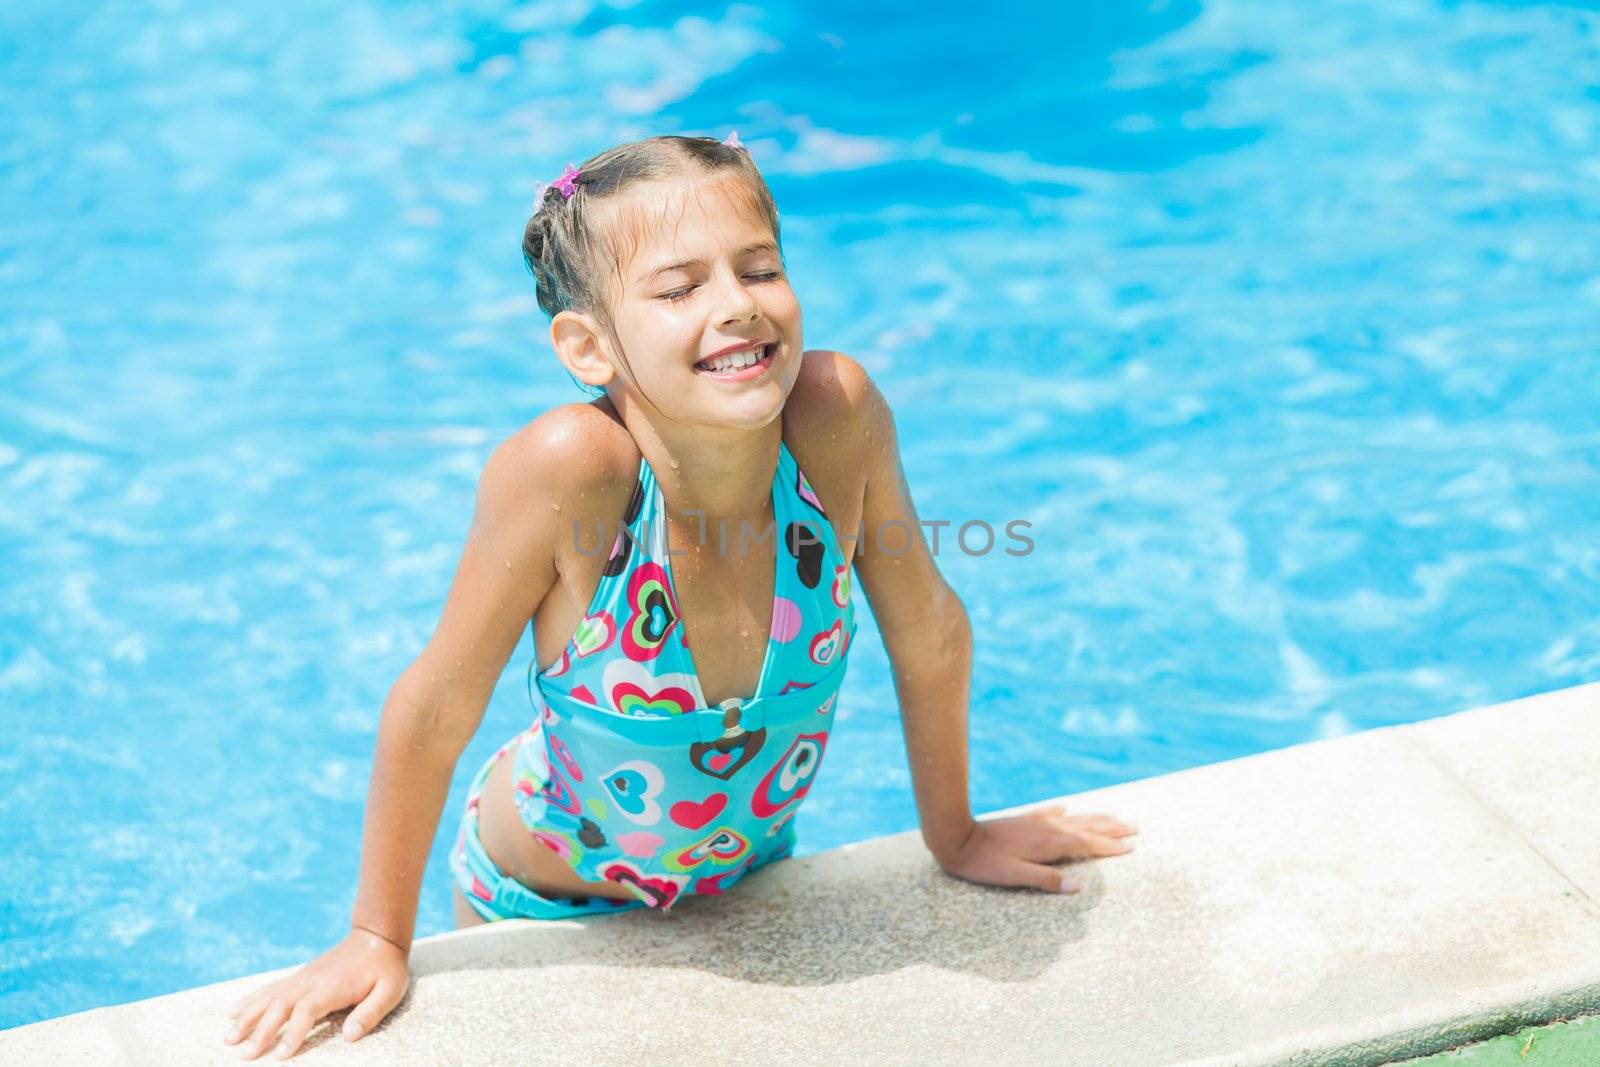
pixel 1379 896
pixel 1411 1035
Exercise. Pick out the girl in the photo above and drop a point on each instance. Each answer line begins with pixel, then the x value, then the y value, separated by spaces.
pixel 688 665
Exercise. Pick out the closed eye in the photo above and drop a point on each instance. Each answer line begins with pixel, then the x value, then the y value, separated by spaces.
pixel 680 294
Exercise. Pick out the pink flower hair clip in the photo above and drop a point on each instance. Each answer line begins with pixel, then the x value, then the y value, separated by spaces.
pixel 567 183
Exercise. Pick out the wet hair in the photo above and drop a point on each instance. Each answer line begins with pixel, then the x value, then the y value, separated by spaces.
pixel 575 247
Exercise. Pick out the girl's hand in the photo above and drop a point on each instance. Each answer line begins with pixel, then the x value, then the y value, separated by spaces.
pixel 1014 849
pixel 363 969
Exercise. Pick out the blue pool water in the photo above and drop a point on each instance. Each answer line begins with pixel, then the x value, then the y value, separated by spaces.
pixel 1277 321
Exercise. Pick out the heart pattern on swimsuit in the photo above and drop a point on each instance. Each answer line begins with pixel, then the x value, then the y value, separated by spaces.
pixel 622 547
pixel 807 549
pixel 841 586
pixel 825 644
pixel 723 845
pixel 746 743
pixel 790 778
pixel 559 843
pixel 658 891
pixel 693 814
pixel 561 665
pixel 632 688
pixel 559 794
pixel 559 747
pixel 631 699
pixel 634 787
pixel 594 633
pixel 652 612
pixel 715 884
pixel 617 561
pixel 804 491
pixel 640 842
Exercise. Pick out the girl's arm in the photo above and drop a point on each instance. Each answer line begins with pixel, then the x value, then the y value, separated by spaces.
pixel 924 626
pixel 434 709
pixel 928 638
pixel 506 568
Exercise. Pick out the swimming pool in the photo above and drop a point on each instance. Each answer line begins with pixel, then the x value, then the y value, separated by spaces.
pixel 1277 325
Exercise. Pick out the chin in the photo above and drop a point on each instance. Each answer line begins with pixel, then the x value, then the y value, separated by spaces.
pixel 748 411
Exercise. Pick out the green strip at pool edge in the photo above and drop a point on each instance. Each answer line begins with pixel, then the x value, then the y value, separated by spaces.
pixel 1563 1044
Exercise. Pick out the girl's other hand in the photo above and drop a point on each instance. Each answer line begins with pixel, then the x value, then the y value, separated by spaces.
pixel 363 969
pixel 1014 849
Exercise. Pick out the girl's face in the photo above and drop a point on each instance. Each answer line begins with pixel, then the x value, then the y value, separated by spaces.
pixel 706 275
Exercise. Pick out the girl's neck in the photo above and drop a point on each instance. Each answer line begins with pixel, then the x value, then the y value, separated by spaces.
pixel 723 476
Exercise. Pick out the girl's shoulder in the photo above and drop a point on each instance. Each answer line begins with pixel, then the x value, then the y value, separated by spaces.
pixel 826 417
pixel 832 398
pixel 831 394
pixel 569 464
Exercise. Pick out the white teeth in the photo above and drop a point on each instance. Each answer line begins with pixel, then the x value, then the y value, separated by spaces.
pixel 737 361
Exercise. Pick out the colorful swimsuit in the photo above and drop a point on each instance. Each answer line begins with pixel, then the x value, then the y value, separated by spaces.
pixel 626 773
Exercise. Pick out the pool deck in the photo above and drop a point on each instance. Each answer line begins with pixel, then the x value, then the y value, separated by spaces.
pixel 1366 898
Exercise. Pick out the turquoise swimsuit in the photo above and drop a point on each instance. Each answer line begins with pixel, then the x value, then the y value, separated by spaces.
pixel 626 773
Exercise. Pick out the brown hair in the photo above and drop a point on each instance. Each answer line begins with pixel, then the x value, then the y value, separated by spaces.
pixel 575 247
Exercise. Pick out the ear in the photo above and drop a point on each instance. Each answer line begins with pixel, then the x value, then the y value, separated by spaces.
pixel 577 339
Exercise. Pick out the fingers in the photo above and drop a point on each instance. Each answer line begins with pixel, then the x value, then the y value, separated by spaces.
pixel 1055 838
pixel 385 994
pixel 1104 845
pixel 1056 846
pixel 1017 871
pixel 1098 822
pixel 255 996
pixel 306 1014
pixel 1080 844
pixel 277 1011
pixel 247 1011
pixel 296 1012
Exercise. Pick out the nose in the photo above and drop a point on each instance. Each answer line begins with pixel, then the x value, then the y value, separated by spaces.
pixel 736 302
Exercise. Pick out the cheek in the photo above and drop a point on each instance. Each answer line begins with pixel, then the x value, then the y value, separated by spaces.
pixel 783 309
pixel 661 344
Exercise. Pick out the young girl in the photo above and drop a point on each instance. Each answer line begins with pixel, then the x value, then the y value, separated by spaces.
pixel 683 545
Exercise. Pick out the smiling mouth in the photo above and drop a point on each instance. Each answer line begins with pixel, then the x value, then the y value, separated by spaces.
pixel 740 364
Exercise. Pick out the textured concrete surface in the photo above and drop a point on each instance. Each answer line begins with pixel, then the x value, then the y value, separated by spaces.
pixel 1351 901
